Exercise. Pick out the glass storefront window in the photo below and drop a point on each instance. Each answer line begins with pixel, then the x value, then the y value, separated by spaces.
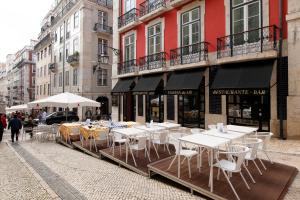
pixel 155 109
pixel 170 107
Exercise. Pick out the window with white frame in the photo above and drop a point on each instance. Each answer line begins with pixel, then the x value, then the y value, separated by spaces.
pixel 45 52
pixel 48 89
pixel 60 79
pixel 67 82
pixel 76 19
pixel 129 47
pixel 102 77
pixel 129 4
pixel 54 80
pixel 67 50
pixel 246 16
pixel 190 27
pixel 75 76
pixel 154 39
pixel 102 46
pixel 75 45
pixel 68 27
pixel 102 17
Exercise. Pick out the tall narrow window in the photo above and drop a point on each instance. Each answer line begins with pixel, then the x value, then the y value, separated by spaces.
pixel 102 46
pixel 102 77
pixel 44 89
pixel 190 28
pixel 68 28
pixel 129 47
pixel 154 39
pixel 129 4
pixel 60 54
pixel 45 70
pixel 75 45
pixel 61 33
pixel 102 17
pixel 54 80
pixel 76 19
pixel 67 78
pixel 48 89
pixel 60 80
pixel 245 17
pixel 67 50
pixel 140 105
pixel 75 76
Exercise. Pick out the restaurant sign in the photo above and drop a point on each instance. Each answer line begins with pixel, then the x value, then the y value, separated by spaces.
pixel 239 91
pixel 179 92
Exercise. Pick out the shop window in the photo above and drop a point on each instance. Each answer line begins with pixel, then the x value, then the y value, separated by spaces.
pixel 140 105
pixel 215 104
pixel 170 107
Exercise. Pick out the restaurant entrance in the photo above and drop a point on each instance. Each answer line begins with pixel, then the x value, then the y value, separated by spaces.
pixel 249 111
pixel 128 107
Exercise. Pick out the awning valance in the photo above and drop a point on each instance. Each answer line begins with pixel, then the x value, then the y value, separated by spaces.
pixel 184 82
pixel 148 85
pixel 123 86
pixel 251 78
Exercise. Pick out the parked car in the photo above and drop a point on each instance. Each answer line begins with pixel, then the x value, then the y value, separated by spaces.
pixel 59 117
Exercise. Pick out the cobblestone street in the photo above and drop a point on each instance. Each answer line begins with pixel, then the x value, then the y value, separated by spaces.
pixel 71 174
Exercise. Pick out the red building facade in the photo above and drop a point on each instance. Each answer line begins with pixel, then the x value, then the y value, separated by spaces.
pixel 201 62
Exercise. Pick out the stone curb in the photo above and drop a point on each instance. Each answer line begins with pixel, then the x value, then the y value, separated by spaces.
pixel 46 187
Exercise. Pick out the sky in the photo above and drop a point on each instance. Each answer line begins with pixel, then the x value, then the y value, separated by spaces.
pixel 20 21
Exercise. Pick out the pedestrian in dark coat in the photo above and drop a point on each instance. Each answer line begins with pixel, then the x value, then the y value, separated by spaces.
pixel 15 125
pixel 1 129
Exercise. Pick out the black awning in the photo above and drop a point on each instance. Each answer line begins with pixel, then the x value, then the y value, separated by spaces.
pixel 251 78
pixel 123 86
pixel 148 85
pixel 184 82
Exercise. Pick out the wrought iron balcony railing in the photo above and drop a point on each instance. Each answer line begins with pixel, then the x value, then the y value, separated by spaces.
pixel 128 17
pixel 252 41
pixel 106 3
pixel 154 61
pixel 189 54
pixel 73 59
pixel 103 28
pixel 149 6
pixel 127 67
pixel 65 9
pixel 52 67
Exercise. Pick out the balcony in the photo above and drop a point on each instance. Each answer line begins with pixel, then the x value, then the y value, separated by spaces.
pixel 194 53
pixel 128 20
pixel 103 58
pixel 261 40
pixel 102 28
pixel 106 3
pixel 177 3
pixel 65 10
pixel 52 67
pixel 154 61
pixel 73 59
pixel 150 9
pixel 127 67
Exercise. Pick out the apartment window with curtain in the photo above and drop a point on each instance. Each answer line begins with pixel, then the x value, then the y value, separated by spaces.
pixel 154 39
pixel 67 81
pixel 129 47
pixel 102 46
pixel 102 77
pixel 75 45
pixel 76 19
pixel 190 27
pixel 60 54
pixel 246 16
pixel 60 80
pixel 75 76
pixel 102 17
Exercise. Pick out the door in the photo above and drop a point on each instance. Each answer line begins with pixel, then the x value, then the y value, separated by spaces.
pixel 128 107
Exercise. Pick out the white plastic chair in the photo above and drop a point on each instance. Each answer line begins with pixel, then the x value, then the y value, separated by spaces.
pixel 162 139
pixel 212 126
pixel 117 138
pixel 253 144
pixel 140 145
pixel 187 153
pixel 233 165
pixel 265 137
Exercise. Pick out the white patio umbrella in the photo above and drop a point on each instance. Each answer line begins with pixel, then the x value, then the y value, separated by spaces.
pixel 64 100
pixel 22 107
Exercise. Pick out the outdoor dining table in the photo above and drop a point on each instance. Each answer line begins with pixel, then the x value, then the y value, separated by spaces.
pixel 129 132
pixel 231 135
pixel 168 125
pixel 68 129
pixel 204 140
pixel 241 129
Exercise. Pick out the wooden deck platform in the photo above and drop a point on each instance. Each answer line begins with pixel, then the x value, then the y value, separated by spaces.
pixel 272 185
pixel 91 151
pixel 141 160
pixel 63 142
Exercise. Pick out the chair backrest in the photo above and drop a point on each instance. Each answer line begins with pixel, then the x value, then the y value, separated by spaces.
pixel 54 128
pixel 117 136
pixel 239 152
pixel 103 134
pixel 253 144
pixel 265 137
pixel 175 142
pixel 196 130
pixel 142 142
pixel 163 136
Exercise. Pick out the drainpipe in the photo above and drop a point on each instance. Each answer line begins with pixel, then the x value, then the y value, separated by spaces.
pixel 281 97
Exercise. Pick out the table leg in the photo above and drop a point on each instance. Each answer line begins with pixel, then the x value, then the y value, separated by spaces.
pixel 211 170
pixel 179 159
pixel 126 147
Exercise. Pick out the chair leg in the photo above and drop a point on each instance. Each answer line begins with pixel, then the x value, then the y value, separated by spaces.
pixel 120 149
pixel 249 173
pixel 237 196
pixel 168 149
pixel 257 167
pixel 95 145
pixel 183 160
pixel 218 175
pixel 265 152
pixel 148 154
pixel 189 165
pixel 261 162
pixel 172 162
pixel 245 181
pixel 132 156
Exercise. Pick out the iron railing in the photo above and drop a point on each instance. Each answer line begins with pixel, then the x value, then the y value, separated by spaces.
pixel 73 59
pixel 189 54
pixel 103 28
pixel 149 6
pixel 61 13
pixel 252 41
pixel 128 17
pixel 106 3
pixel 127 67
pixel 154 61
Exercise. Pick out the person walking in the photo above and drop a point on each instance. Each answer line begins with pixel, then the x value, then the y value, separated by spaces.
pixel 15 125
pixel 1 128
